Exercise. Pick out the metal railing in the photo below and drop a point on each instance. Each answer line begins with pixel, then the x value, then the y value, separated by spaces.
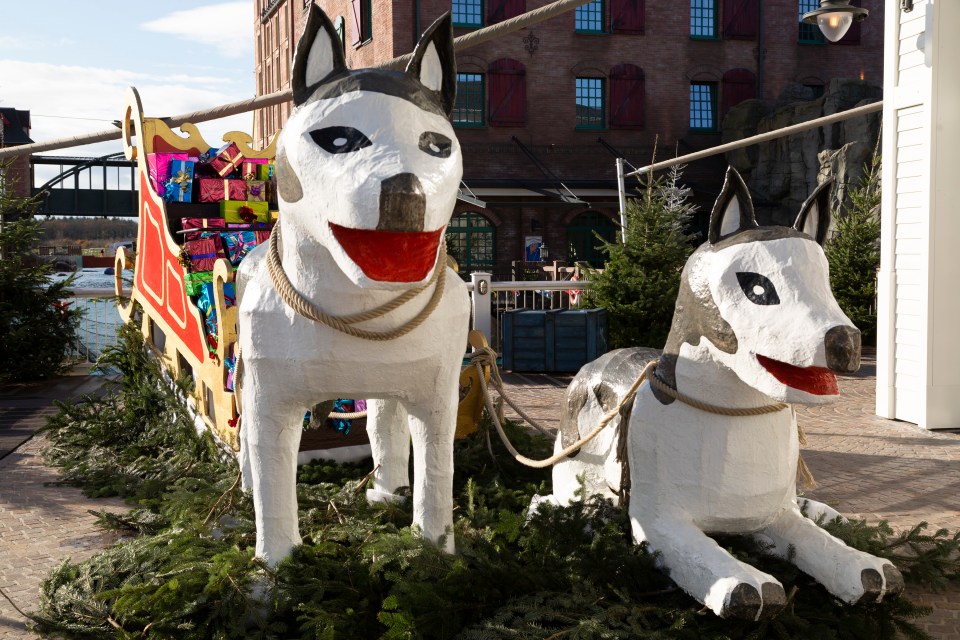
pixel 492 299
pixel 98 324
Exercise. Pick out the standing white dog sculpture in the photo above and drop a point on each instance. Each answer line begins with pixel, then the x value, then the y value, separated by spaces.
pixel 755 326
pixel 368 169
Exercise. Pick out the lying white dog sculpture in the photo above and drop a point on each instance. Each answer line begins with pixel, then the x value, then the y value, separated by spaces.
pixel 368 169
pixel 755 325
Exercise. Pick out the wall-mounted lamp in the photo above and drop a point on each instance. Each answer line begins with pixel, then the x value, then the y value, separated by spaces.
pixel 544 253
pixel 834 17
pixel 906 6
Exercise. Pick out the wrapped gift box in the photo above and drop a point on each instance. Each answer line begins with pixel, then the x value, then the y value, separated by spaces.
pixel 218 189
pixel 193 227
pixel 179 186
pixel 250 168
pixel 200 254
pixel 266 172
pixel 245 211
pixel 158 167
pixel 194 281
pixel 257 190
pixel 226 160
pixel 274 215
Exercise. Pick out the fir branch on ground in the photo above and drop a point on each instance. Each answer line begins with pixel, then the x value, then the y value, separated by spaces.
pixel 187 567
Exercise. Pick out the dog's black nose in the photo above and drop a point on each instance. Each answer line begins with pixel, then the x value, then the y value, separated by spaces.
pixel 402 203
pixel 843 349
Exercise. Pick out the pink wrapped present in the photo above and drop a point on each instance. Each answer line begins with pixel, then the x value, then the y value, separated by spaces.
pixel 249 170
pixel 194 226
pixel 218 190
pixel 158 166
pixel 200 254
pixel 226 160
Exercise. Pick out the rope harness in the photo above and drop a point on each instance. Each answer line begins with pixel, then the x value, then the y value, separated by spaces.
pixel 487 357
pixel 344 324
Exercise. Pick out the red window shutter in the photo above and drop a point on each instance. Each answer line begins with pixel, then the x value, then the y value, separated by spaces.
pixel 737 85
pixel 500 10
pixel 853 35
pixel 627 16
pixel 506 80
pixel 741 19
pixel 627 95
pixel 356 10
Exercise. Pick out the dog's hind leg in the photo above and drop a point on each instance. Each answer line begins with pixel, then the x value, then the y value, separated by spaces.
pixel 432 426
pixel 273 427
pixel 847 573
pixel 390 446
pixel 699 566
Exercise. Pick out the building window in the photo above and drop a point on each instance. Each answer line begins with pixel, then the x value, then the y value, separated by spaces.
pixel 809 33
pixel 468 110
pixel 500 10
pixel 583 243
pixel 508 92
pixel 627 96
pixel 362 13
pixel 627 16
pixel 737 85
pixel 703 106
pixel 703 19
pixel 589 17
pixel 471 241
pixel 590 107
pixel 741 19
pixel 468 13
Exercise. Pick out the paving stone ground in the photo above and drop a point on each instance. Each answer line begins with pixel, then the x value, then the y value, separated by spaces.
pixel 865 466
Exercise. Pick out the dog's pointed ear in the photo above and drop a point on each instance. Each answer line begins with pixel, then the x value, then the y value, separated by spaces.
pixel 434 63
pixel 733 210
pixel 319 55
pixel 814 218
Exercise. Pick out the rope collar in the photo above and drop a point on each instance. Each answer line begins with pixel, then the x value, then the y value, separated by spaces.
pixel 293 299
pixel 661 386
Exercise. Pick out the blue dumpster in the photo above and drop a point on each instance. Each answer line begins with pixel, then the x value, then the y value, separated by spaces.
pixel 553 341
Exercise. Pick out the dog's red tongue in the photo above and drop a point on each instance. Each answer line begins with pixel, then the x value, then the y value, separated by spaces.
pixel 815 380
pixel 390 256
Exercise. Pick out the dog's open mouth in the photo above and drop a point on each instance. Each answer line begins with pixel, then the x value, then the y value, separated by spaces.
pixel 390 256
pixel 816 380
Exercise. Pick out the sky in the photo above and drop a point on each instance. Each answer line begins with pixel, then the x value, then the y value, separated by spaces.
pixel 69 63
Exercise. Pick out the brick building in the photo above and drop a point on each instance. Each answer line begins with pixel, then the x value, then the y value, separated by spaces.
pixel 15 130
pixel 543 112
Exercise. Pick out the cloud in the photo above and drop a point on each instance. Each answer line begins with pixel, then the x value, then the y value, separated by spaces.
pixel 70 92
pixel 34 42
pixel 227 27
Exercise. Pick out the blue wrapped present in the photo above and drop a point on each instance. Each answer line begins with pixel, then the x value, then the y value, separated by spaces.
pixel 179 186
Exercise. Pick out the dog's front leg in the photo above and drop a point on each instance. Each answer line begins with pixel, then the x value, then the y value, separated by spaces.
pixel 847 573
pixel 432 426
pixel 272 429
pixel 730 588
pixel 390 446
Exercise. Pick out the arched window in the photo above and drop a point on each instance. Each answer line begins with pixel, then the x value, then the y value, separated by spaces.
pixel 627 97
pixel 583 245
pixel 737 85
pixel 471 241
pixel 508 92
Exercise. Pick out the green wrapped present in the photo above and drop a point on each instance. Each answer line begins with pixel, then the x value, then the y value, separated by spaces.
pixel 246 211
pixel 265 172
pixel 194 281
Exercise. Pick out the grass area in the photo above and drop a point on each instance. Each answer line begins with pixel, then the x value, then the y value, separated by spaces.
pixel 185 567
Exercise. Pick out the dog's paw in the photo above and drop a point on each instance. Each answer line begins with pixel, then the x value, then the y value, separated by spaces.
pixel 746 603
pixel 876 586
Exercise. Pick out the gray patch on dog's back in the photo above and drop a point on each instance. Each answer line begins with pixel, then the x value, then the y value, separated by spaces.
pixel 288 185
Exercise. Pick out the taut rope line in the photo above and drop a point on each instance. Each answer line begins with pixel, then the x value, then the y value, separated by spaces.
pixel 344 324
pixel 488 356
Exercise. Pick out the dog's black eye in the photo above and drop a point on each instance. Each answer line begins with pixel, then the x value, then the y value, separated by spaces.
pixel 340 139
pixel 757 288
pixel 436 144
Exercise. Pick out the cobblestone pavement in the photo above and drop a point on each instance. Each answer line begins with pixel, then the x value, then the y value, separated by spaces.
pixel 865 466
